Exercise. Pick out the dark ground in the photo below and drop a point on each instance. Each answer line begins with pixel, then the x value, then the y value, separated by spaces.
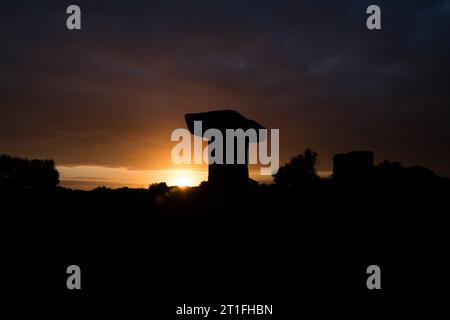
pixel 300 249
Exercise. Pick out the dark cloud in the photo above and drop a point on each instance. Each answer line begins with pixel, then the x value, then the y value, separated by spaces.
pixel 112 93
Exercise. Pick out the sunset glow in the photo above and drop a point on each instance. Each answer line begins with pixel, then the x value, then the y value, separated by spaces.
pixel 185 179
pixel 90 177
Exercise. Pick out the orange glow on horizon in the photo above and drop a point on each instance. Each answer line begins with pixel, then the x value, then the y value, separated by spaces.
pixel 90 177
pixel 184 179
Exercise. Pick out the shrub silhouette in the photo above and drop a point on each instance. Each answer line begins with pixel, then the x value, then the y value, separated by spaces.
pixel 394 172
pixel 20 173
pixel 300 170
pixel 354 166
pixel 159 188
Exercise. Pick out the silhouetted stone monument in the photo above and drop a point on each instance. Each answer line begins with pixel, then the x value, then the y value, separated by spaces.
pixel 225 174
pixel 351 166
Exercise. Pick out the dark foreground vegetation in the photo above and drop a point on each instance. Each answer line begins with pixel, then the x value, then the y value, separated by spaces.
pixel 300 239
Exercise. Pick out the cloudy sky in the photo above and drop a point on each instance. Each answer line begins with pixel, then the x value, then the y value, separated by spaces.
pixel 110 94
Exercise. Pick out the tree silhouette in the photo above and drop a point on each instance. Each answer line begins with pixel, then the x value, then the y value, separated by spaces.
pixel 16 172
pixel 300 170
pixel 393 171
